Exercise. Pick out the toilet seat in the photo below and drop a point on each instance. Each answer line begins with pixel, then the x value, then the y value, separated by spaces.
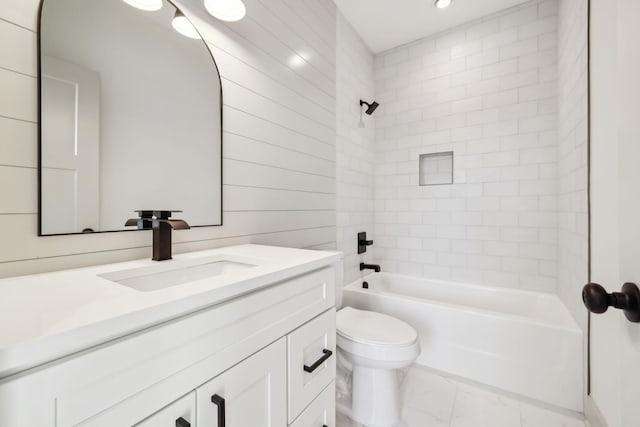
pixel 375 336
pixel 368 327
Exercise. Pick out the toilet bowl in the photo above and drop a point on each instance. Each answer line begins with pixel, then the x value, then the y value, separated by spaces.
pixel 372 347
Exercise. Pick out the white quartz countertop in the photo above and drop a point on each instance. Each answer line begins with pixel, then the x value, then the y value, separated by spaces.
pixel 47 316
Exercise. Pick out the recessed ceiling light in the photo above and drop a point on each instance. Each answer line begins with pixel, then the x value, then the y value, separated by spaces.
pixel 226 10
pixel 182 25
pixel 150 5
pixel 441 4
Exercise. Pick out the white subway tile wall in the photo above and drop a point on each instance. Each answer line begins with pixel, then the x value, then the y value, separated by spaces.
pixel 573 129
pixel 279 82
pixel 488 92
pixel 355 146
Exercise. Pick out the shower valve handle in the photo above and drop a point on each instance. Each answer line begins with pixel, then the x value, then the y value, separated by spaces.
pixel 598 300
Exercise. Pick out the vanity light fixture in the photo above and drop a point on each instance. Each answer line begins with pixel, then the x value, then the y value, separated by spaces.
pixel 441 4
pixel 149 5
pixel 181 24
pixel 226 10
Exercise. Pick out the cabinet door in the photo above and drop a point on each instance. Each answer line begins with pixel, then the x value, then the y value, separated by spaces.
pixel 321 412
pixel 181 413
pixel 251 394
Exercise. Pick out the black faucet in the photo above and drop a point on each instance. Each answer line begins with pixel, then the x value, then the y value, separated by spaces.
pixel 374 267
pixel 363 242
pixel 161 225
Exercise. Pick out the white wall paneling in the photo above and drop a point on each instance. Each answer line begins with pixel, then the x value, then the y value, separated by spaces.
pixel 278 71
pixel 18 142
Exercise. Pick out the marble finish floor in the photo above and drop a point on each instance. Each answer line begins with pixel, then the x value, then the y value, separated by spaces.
pixel 431 400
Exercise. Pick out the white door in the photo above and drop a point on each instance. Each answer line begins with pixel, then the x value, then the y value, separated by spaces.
pixel 615 204
pixel 70 104
pixel 251 394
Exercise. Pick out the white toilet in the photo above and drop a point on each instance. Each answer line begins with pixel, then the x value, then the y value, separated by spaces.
pixel 372 347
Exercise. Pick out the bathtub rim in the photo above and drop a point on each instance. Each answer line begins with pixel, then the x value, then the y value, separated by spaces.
pixel 356 286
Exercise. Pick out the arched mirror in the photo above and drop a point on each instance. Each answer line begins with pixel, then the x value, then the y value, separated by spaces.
pixel 130 116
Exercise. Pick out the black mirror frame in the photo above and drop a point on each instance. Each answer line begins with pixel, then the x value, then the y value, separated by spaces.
pixel 39 116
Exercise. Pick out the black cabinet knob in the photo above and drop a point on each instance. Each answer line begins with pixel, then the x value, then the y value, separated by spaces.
pixel 181 422
pixel 598 300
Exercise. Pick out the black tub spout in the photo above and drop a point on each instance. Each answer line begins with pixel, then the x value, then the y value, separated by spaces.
pixel 374 267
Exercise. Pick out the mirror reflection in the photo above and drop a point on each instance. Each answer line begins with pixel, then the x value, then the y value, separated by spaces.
pixel 130 116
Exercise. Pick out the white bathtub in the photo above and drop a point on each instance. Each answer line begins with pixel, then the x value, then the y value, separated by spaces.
pixel 519 341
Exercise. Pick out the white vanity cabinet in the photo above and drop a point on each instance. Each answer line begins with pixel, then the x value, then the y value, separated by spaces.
pixel 252 393
pixel 242 360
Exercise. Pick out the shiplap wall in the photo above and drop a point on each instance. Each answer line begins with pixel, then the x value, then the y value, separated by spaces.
pixel 279 82
pixel 355 147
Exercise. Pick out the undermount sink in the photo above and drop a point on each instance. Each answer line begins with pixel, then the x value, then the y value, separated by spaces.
pixel 173 273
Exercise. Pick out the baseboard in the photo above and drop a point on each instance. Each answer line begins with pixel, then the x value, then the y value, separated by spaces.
pixel 592 414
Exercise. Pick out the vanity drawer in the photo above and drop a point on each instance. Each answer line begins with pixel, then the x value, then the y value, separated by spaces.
pixel 321 412
pixel 312 361
pixel 181 413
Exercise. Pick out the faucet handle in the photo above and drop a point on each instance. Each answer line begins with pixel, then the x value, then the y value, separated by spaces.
pixel 176 224
pixel 142 223
pixel 131 222
pixel 147 219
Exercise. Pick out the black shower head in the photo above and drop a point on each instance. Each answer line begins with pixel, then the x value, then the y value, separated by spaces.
pixel 370 107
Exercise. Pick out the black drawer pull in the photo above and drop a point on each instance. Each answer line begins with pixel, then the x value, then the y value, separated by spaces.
pixel 181 422
pixel 327 354
pixel 219 402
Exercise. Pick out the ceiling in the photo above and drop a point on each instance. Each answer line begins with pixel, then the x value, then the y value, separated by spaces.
pixel 385 24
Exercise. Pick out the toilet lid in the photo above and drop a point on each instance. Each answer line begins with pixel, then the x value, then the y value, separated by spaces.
pixel 368 327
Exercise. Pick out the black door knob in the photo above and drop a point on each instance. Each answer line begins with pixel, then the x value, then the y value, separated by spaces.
pixel 597 300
